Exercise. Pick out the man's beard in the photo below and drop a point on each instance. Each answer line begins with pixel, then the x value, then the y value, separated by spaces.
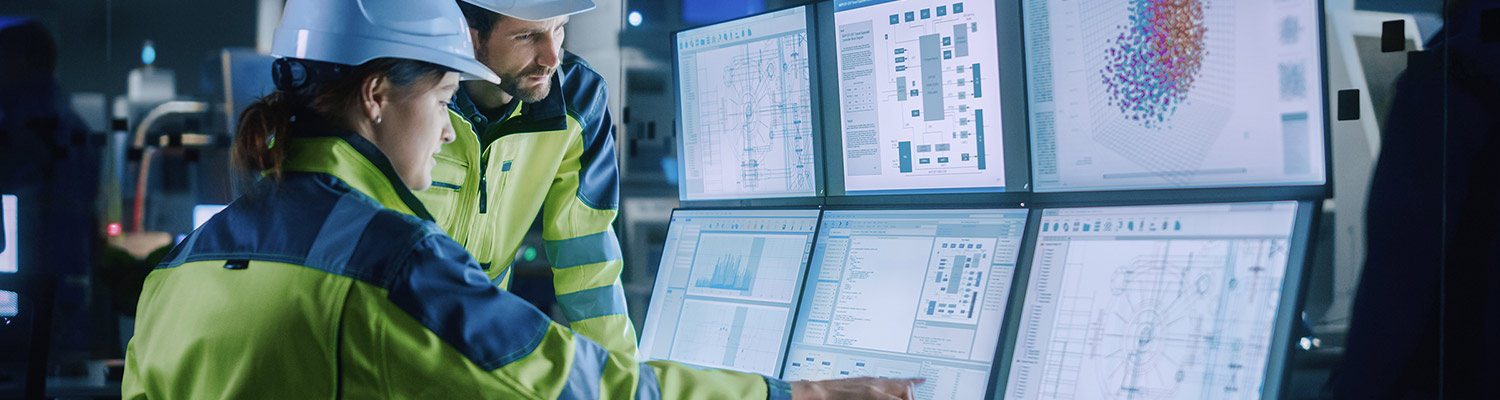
pixel 511 83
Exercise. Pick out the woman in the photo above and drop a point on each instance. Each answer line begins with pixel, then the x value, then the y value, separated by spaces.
pixel 329 279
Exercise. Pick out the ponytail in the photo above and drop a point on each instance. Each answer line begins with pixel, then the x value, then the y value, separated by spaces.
pixel 255 146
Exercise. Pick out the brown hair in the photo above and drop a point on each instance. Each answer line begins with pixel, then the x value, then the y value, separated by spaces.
pixel 269 118
pixel 480 20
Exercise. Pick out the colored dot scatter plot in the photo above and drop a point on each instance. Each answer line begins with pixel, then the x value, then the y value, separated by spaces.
pixel 1154 61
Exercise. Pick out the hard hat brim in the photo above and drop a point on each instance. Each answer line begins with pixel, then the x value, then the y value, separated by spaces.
pixel 538 12
pixel 355 50
pixel 471 70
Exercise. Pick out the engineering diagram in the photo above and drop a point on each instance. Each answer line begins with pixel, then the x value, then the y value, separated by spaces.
pixel 754 117
pixel 1165 319
pixel 936 92
pixel 956 280
pixel 920 95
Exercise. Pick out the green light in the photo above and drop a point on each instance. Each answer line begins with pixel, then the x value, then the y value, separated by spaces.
pixel 529 254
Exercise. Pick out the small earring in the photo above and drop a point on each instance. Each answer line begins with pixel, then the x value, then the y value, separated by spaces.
pixel 377 120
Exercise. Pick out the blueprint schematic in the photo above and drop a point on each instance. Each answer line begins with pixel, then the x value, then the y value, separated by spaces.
pixel 746 106
pixel 919 95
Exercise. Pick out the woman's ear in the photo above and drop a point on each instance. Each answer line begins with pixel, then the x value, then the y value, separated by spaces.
pixel 374 95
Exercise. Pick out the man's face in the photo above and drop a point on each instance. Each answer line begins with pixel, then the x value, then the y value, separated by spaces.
pixel 524 53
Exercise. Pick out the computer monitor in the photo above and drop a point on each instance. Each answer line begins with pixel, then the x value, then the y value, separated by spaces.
pixel 1184 301
pixel 9 259
pixel 727 287
pixel 746 120
pixel 919 96
pixel 203 212
pixel 8 254
pixel 910 293
pixel 1140 94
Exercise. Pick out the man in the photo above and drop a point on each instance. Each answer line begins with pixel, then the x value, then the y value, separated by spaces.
pixel 539 142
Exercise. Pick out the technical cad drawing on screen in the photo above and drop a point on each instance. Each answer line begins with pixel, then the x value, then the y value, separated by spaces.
pixel 746 107
pixel 1146 94
pixel 907 294
pixel 727 286
pixel 1158 302
pixel 919 95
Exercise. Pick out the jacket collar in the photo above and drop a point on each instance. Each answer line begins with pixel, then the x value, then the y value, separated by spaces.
pixel 547 114
pixel 321 147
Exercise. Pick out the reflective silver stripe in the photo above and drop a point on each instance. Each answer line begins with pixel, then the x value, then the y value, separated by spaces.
pixel 593 303
pixel 648 388
pixel 583 250
pixel 588 367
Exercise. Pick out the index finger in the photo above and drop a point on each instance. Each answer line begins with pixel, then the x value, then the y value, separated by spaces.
pixel 905 386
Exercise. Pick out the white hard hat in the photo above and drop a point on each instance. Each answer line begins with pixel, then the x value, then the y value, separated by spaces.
pixel 534 10
pixel 352 32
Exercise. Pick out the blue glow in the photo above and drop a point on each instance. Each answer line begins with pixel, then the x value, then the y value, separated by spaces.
pixel 696 12
pixel 148 53
pixel 634 19
pixel 669 168
pixel 7 21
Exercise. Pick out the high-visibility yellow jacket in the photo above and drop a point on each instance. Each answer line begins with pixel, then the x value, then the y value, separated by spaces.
pixel 333 282
pixel 555 157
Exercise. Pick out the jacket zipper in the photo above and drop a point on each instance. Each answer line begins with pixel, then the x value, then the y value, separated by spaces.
pixel 484 192
pixel 484 168
pixel 484 185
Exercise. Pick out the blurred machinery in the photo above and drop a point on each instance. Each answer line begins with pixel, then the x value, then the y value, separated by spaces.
pixel 166 153
pixel 175 151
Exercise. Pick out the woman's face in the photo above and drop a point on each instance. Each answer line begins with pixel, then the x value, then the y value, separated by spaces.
pixel 413 128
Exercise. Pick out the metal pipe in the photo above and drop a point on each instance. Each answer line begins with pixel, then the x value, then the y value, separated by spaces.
pixel 171 107
pixel 138 213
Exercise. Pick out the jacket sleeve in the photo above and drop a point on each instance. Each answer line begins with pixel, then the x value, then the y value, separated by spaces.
pixel 451 334
pixel 578 212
